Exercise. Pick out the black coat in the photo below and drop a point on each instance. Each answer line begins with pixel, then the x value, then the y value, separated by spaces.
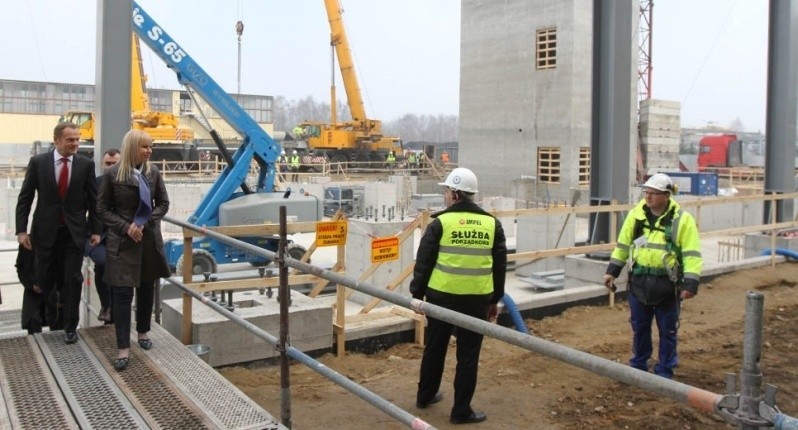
pixel 127 262
pixel 81 199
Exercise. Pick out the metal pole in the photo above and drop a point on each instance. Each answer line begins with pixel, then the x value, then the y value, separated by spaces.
pixel 349 385
pixel 751 373
pixel 285 383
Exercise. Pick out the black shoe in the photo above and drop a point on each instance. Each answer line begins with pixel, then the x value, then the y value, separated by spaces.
pixel 121 363
pixel 435 399
pixel 70 337
pixel 145 344
pixel 475 417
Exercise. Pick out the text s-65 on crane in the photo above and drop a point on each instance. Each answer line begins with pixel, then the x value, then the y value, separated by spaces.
pixel 224 204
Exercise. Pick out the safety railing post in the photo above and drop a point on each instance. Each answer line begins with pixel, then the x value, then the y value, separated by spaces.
pixel 751 373
pixel 285 300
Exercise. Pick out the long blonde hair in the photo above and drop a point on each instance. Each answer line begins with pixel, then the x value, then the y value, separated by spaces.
pixel 130 147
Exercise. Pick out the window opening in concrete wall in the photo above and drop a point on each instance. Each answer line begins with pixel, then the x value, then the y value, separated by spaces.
pixel 546 49
pixel 549 165
pixel 584 165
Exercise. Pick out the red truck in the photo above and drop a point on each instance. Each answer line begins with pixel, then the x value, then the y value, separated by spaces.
pixel 720 150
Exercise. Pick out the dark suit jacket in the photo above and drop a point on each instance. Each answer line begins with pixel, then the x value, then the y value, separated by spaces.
pixel 81 199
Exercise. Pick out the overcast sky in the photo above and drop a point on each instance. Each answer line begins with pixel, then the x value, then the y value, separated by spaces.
pixel 710 55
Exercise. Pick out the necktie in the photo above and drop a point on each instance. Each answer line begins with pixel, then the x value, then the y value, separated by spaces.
pixel 63 178
pixel 144 212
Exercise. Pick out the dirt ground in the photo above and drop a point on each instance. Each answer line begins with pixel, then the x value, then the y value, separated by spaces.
pixel 520 389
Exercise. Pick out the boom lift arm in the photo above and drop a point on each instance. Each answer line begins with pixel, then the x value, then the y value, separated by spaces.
pixel 256 143
pixel 222 201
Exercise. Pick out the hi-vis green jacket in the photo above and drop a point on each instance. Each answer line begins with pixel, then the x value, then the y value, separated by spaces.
pixel 673 233
pixel 435 251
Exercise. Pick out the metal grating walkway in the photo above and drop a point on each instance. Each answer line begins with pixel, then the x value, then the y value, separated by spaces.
pixel 45 383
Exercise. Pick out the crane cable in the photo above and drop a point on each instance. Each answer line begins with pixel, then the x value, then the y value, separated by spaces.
pixel 711 48
pixel 36 43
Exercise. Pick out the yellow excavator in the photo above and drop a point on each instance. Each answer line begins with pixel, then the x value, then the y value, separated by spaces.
pixel 360 139
pixel 170 141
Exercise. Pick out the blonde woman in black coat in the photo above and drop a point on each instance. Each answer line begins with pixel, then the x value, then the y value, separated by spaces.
pixel 131 202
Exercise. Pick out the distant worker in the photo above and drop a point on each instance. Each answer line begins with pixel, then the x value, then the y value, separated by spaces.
pixel 665 268
pixel 299 132
pixel 294 165
pixel 444 157
pixel 460 266
pixel 412 160
pixel 283 162
pixel 390 160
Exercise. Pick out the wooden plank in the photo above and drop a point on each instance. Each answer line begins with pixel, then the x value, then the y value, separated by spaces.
pixel 249 284
pixel 390 287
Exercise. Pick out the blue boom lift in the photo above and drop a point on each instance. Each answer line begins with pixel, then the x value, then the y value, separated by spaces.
pixel 224 204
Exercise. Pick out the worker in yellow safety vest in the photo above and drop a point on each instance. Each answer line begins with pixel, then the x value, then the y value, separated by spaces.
pixel 411 159
pixel 390 160
pixel 460 265
pixel 662 245
pixel 294 163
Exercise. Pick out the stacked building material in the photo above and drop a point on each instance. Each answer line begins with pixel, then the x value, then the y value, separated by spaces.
pixel 660 132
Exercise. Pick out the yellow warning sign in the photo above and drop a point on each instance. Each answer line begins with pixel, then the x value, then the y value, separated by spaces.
pixel 384 249
pixel 331 233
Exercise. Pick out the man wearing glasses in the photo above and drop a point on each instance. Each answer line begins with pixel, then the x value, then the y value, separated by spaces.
pixel 97 252
pixel 662 245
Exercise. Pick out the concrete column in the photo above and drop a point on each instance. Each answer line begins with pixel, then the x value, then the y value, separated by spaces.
pixel 358 255
pixel 112 80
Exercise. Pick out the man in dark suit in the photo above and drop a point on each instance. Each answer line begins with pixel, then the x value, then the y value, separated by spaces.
pixel 64 184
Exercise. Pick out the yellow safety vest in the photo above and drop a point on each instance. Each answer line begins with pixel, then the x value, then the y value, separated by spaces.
pixel 295 161
pixel 682 233
pixel 465 257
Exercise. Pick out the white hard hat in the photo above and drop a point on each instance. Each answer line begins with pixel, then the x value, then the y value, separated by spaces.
pixel 282 152
pixel 461 179
pixel 661 182
pixel 294 152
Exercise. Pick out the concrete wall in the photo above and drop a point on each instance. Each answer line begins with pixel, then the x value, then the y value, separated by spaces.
pixel 508 109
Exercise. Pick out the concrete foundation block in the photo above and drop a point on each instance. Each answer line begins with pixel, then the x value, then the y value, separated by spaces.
pixel 580 271
pixel 755 243
pixel 310 327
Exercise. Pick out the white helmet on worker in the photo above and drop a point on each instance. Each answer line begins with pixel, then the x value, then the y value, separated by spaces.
pixel 461 179
pixel 294 152
pixel 282 152
pixel 660 182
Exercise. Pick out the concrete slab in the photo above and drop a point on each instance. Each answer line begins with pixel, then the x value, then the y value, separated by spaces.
pixel 310 327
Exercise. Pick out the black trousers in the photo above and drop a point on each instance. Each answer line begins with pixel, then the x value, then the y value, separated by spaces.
pixel 123 298
pixel 469 345
pixel 61 265
pixel 103 290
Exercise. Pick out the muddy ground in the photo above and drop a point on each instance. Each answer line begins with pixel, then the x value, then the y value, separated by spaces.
pixel 521 389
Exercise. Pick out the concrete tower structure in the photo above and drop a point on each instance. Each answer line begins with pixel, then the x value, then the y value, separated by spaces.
pixel 525 91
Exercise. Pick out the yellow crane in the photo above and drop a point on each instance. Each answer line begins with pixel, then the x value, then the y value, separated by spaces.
pixel 360 139
pixel 169 138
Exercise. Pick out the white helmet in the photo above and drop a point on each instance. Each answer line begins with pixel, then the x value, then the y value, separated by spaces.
pixel 661 182
pixel 461 179
pixel 294 152
pixel 282 152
